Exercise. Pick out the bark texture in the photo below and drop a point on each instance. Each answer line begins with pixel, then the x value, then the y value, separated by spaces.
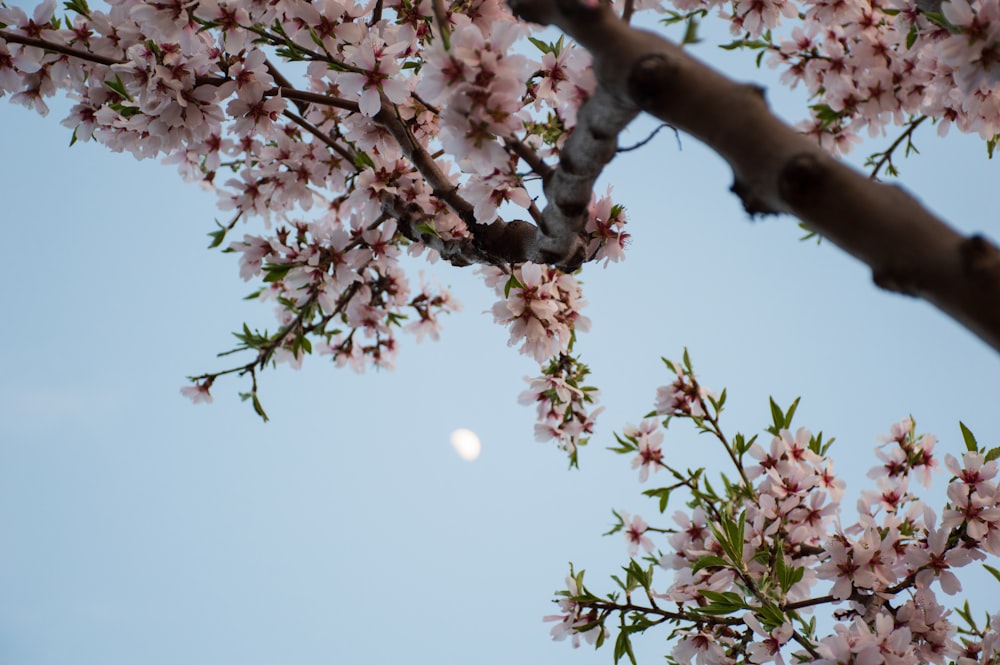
pixel 775 168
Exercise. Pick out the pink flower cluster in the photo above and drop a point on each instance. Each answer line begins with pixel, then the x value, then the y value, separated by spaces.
pixel 389 111
pixel 564 404
pixel 683 397
pixel 774 545
pixel 874 64
pixel 573 618
pixel 869 66
pixel 541 306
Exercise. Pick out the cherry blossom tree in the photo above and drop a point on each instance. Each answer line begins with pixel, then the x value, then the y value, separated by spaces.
pixel 340 136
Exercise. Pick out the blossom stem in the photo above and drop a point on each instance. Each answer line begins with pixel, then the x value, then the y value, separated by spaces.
pixel 58 48
pixel 887 154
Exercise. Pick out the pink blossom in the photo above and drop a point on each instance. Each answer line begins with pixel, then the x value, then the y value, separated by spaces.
pixel 199 392
pixel 767 650
pixel 634 530
pixel 648 438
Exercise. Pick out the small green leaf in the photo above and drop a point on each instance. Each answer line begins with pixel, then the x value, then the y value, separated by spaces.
pixel 276 271
pixel 428 229
pixel 512 283
pixel 722 603
pixel 539 44
pixel 258 408
pixel 663 494
pixel 970 439
pixel 362 160
pixel 217 236
pixel 770 616
pixel 691 32
pixel 993 571
pixel 78 6
pixel 777 417
pixel 710 561
pixel 623 647
pixel 791 412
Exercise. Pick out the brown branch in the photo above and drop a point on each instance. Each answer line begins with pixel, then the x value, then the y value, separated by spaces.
pixel 282 81
pixel 283 89
pixel 776 169
pixel 508 241
pixel 529 155
pixel 58 48
pixel 887 155
pixel 345 153
pixel 569 187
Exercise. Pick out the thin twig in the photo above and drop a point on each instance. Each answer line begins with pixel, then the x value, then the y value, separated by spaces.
pixel 887 155
pixel 650 138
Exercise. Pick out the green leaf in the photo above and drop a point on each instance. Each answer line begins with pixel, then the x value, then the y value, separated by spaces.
pixel 911 36
pixel 709 561
pixel 428 229
pixel 777 417
pixel 512 283
pixel 362 160
pixel 258 408
pixel 722 603
pixel 662 493
pixel 992 454
pixel 217 236
pixel 691 32
pixel 118 87
pixel 970 439
pixel 276 271
pixel 993 571
pixel 540 45
pixel 791 412
pixel 600 639
pixel 770 616
pixel 78 6
pixel 588 626
pixel 623 647
pixel 618 527
pixel 637 576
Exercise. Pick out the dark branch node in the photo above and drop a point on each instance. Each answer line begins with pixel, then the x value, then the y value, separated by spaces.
pixel 751 203
pixel 758 91
pixel 885 279
pixel 600 134
pixel 980 257
pixel 650 80
pixel 566 164
pixel 572 209
pixel 567 261
pixel 799 179
pixel 528 11
pixel 579 9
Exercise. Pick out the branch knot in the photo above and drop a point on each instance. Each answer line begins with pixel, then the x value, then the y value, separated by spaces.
pixel 652 79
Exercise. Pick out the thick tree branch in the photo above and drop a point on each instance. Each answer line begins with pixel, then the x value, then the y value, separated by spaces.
pixel 776 169
pixel 568 188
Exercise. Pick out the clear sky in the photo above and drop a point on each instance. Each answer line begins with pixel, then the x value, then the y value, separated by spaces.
pixel 136 527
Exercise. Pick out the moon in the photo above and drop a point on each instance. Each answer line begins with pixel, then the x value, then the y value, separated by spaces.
pixel 466 444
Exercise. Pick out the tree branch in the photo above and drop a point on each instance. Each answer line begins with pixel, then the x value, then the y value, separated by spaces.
pixel 775 168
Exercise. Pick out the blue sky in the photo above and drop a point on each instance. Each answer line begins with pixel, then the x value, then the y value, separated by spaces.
pixel 136 527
